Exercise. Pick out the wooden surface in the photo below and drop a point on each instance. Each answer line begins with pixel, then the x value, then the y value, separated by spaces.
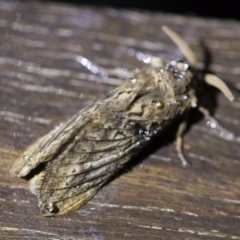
pixel 42 83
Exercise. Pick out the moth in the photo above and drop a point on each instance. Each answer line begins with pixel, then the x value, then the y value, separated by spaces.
pixel 71 163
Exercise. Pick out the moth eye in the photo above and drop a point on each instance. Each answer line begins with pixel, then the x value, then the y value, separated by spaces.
pixel 158 104
pixel 50 208
pixel 133 80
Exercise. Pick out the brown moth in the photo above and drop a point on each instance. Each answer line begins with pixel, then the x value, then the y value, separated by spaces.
pixel 79 157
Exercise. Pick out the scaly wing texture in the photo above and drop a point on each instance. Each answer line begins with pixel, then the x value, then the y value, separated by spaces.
pixel 76 174
pixel 45 148
pixel 85 152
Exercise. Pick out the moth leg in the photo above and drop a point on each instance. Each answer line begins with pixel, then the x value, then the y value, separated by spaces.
pixel 216 128
pixel 179 142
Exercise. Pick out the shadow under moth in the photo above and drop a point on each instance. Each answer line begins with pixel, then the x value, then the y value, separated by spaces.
pixel 82 154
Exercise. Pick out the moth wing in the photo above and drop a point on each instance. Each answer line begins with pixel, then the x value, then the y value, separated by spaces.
pixel 44 148
pixel 76 174
pixel 20 166
pixel 85 152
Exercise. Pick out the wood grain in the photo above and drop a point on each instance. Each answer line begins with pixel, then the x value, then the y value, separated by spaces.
pixel 42 83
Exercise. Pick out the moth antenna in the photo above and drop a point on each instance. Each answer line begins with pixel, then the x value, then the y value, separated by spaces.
pixel 183 46
pixel 219 84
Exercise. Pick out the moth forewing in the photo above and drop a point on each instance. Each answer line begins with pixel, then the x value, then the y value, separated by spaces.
pixel 40 151
pixel 68 182
pixel 47 146
pixel 23 165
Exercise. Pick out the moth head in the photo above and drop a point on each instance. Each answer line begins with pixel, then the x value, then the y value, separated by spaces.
pixel 191 58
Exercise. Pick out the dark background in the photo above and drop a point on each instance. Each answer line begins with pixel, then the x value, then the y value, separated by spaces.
pixel 209 8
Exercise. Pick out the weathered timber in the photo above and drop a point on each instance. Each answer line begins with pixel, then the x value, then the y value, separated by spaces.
pixel 43 83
